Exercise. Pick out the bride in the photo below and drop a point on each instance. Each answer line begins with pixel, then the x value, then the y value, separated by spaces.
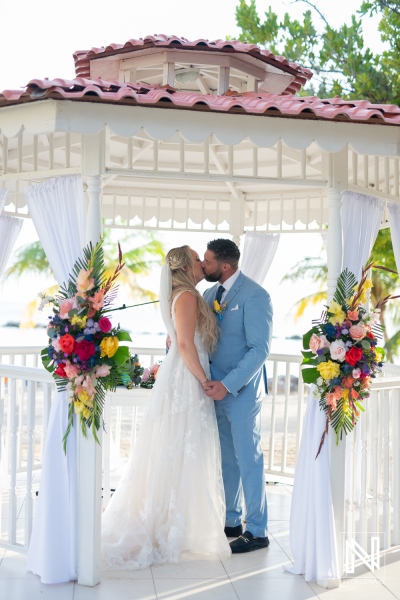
pixel 170 503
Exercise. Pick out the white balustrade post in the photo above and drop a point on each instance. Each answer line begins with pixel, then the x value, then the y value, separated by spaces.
pixel 89 472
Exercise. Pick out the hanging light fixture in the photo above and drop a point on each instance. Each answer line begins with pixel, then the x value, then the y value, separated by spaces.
pixel 187 75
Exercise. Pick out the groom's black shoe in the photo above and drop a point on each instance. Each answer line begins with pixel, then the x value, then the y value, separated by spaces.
pixel 247 543
pixel 233 531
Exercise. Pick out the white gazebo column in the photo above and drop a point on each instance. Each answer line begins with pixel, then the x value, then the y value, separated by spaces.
pixel 338 180
pixel 89 466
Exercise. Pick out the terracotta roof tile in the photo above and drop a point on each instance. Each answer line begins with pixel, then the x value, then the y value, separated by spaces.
pixel 114 92
pixel 302 75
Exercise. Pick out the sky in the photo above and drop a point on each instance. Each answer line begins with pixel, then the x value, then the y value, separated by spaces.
pixel 38 41
pixel 38 38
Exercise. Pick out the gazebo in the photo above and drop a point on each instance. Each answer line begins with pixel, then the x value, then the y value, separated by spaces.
pixel 163 133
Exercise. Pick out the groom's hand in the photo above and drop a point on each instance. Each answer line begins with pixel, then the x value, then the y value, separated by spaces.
pixel 215 390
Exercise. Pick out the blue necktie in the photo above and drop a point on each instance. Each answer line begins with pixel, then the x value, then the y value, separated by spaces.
pixel 220 291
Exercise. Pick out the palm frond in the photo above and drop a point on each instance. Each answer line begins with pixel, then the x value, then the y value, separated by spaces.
pixel 344 287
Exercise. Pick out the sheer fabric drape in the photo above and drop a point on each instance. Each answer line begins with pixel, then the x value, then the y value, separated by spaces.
pixel 312 531
pixel 58 212
pixel 9 231
pixel 258 254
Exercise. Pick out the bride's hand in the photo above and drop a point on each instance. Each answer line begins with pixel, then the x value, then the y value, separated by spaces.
pixel 207 384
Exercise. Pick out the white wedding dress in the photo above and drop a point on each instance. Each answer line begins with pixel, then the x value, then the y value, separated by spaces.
pixel 170 504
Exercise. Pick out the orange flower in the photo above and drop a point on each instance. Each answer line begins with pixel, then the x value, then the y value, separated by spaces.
pixel 337 392
pixel 352 315
pixel 96 300
pixel 67 343
pixel 347 382
pixel 354 394
pixel 330 400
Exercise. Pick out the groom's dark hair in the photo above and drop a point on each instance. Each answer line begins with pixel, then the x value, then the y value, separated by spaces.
pixel 225 250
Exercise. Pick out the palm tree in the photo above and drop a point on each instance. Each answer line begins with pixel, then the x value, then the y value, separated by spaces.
pixel 144 253
pixel 384 284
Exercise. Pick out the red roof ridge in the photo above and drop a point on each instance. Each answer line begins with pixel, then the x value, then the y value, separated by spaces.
pixel 256 103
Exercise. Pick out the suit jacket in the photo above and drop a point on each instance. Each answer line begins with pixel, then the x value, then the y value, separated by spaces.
pixel 245 337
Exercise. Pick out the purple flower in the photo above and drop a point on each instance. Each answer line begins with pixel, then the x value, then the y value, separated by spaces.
pixel 345 331
pixel 89 323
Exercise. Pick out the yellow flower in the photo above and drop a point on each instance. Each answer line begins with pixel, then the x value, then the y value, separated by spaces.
pixel 379 354
pixel 329 369
pixel 78 407
pixel 84 397
pixel 217 306
pixel 338 316
pixel 81 321
pixel 109 346
pixel 368 284
pixel 345 395
pixel 86 413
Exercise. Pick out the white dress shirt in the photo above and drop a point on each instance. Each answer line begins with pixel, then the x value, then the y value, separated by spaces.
pixel 229 283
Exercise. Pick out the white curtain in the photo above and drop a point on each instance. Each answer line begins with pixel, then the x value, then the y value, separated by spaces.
pixel 361 219
pixel 9 230
pixel 313 540
pixel 312 528
pixel 258 254
pixel 58 211
pixel 394 221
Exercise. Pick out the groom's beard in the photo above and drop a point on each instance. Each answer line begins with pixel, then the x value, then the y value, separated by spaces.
pixel 213 277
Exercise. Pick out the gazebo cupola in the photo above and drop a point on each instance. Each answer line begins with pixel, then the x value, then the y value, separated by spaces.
pixel 202 66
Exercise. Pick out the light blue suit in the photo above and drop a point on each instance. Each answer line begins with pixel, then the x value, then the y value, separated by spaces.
pixel 242 349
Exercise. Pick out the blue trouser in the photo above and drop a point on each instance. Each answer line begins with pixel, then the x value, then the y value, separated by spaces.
pixel 239 425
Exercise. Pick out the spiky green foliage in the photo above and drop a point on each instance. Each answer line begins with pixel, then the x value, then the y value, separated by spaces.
pixel 344 287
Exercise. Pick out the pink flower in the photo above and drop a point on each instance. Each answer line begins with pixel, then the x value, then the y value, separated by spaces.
pixel 84 282
pixel 357 332
pixel 102 370
pixel 356 373
pixel 154 368
pixel 338 350
pixel 318 342
pixel 146 375
pixel 56 344
pixel 71 370
pixel 66 306
pixel 104 324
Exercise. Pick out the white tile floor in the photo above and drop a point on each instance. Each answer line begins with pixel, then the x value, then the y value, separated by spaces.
pixel 255 576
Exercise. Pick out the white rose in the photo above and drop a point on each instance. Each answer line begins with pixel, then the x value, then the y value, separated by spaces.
pixel 338 350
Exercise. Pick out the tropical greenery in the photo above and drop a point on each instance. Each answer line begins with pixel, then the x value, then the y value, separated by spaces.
pixel 141 252
pixel 384 283
pixel 341 58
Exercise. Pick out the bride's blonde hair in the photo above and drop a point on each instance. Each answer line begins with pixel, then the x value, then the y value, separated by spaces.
pixel 180 261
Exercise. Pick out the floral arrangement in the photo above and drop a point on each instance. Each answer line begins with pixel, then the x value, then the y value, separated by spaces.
pixel 132 372
pixel 84 353
pixel 341 355
pixel 149 376
pixel 219 308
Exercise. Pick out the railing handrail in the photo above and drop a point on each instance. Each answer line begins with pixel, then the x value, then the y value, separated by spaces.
pixel 38 374
pixel 159 351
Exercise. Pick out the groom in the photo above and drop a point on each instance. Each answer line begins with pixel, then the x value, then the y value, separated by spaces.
pixel 245 321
